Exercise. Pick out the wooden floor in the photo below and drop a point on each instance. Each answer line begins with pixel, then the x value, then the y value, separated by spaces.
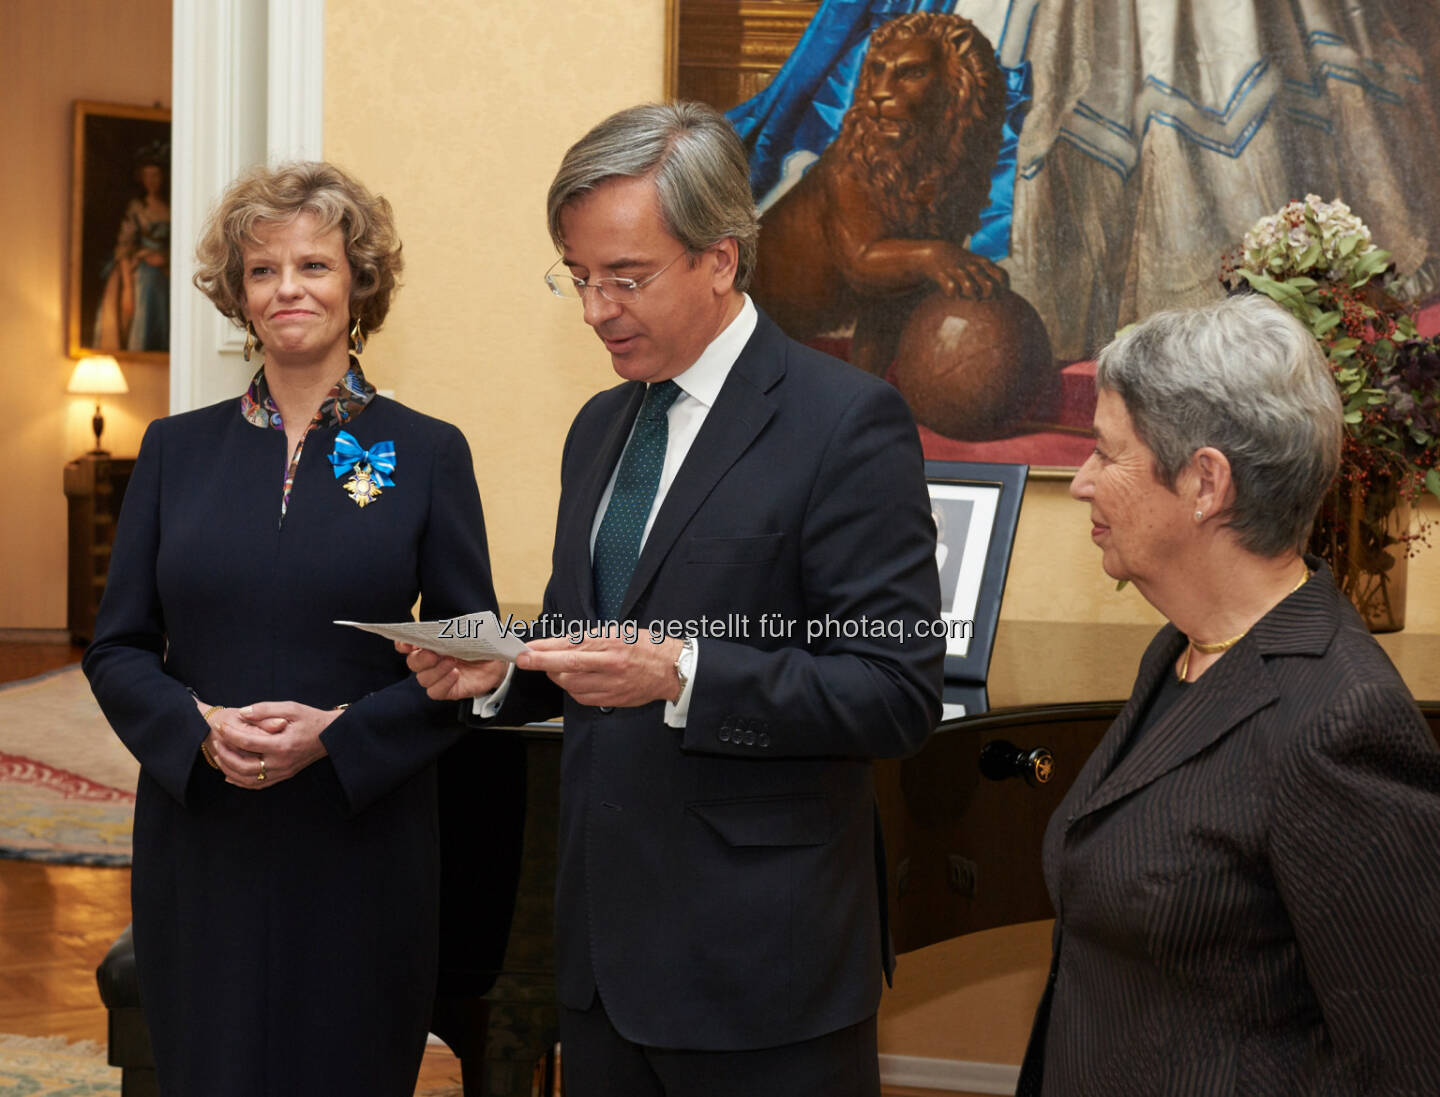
pixel 56 921
pixel 28 660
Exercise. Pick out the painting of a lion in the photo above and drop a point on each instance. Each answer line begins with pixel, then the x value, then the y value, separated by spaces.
pixel 881 219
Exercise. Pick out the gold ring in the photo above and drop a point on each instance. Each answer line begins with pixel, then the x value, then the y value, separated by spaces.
pixel 261 775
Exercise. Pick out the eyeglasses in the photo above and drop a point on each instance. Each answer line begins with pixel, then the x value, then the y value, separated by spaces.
pixel 620 290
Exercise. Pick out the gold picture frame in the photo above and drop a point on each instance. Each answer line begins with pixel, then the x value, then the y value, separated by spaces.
pixel 119 232
pixel 725 51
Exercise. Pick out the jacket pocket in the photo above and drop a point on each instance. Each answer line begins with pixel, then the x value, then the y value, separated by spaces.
pixel 772 821
pixel 734 550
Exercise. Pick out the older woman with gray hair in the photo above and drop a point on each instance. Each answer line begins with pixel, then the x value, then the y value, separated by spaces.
pixel 1246 871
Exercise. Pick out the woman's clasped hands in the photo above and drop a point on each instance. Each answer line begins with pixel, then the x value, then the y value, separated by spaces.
pixel 262 744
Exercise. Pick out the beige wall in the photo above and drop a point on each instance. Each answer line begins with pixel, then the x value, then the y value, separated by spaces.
pixel 1055 571
pixel 52 52
pixel 460 117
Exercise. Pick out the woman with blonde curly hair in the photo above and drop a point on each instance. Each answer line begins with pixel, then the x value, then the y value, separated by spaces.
pixel 286 851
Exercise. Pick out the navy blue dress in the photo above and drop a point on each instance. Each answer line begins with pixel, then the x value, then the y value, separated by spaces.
pixel 285 937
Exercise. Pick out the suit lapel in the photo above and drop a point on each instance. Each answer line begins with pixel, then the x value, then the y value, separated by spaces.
pixel 1231 690
pixel 574 541
pixel 1156 661
pixel 1236 687
pixel 738 416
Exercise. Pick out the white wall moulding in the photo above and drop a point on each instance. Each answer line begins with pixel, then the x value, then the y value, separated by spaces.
pixel 248 82
pixel 948 1075
pixel 295 115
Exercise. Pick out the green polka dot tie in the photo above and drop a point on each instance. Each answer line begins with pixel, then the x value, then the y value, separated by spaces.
pixel 617 544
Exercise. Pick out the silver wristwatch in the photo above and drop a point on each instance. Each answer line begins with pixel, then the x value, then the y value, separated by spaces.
pixel 685 662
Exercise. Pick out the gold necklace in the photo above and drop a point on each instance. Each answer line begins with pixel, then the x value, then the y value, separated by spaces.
pixel 1215 647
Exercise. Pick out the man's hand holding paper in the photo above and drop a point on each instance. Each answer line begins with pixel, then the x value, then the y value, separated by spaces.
pixel 446 678
pixel 453 659
pixel 607 670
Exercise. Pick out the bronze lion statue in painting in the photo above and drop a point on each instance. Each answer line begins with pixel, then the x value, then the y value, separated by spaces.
pixel 881 219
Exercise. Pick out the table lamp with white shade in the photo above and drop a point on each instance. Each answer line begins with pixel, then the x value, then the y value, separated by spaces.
pixel 97 375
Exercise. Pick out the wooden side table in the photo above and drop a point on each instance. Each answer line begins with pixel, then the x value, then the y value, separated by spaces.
pixel 94 487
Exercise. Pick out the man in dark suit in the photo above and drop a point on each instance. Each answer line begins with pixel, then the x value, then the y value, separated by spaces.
pixel 750 518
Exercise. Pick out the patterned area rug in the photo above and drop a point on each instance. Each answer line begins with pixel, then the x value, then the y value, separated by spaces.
pixel 48 1066
pixel 66 782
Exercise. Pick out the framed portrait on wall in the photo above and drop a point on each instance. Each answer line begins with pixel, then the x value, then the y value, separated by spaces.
pixel 1031 198
pixel 119 300
pixel 976 509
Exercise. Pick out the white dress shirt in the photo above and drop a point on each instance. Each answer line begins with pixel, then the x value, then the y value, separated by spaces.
pixel 700 385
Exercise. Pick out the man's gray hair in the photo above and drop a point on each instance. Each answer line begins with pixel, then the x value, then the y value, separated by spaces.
pixel 698 165
pixel 1245 377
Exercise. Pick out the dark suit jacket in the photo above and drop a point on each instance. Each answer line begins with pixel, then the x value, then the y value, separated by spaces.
pixel 252 906
pixel 722 884
pixel 1248 902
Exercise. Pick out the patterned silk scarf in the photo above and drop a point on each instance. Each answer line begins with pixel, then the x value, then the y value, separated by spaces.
pixel 350 396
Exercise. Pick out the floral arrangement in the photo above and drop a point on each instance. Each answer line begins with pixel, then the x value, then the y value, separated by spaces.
pixel 1317 260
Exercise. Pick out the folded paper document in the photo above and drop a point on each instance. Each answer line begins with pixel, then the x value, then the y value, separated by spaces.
pixel 474 636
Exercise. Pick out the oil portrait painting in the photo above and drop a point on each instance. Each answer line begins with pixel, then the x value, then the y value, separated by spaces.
pixel 120 231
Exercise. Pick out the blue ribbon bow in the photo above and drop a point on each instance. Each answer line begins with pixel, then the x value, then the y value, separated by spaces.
pixel 348 453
